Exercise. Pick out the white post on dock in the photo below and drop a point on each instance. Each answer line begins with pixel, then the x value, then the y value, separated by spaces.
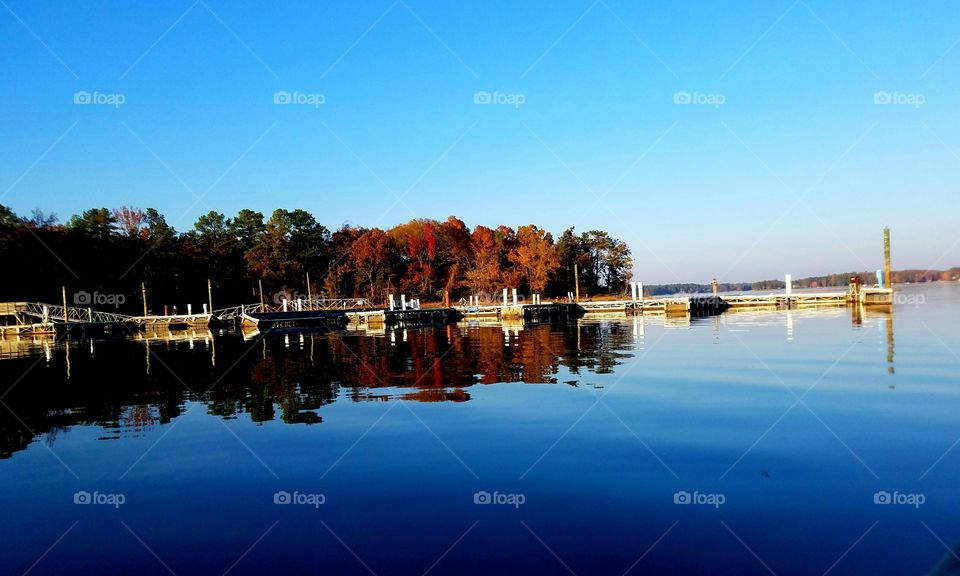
pixel 204 308
pixel 299 304
pixel 788 280
pixel 284 304
pixel 392 303
pixel 514 296
pixel 633 291
pixel 640 291
pixel 90 314
pixel 504 297
pixel 403 301
pixel 189 309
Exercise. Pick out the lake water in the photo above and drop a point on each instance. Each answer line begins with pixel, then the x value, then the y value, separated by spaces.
pixel 749 443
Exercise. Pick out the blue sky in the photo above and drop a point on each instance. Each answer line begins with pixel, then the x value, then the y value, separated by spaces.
pixel 810 125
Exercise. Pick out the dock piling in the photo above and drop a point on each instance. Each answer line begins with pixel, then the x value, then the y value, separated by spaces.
pixel 887 280
pixel 576 283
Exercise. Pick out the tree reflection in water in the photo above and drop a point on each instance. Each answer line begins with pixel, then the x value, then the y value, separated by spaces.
pixel 129 387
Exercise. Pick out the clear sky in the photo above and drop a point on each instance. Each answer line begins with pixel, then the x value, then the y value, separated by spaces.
pixel 740 140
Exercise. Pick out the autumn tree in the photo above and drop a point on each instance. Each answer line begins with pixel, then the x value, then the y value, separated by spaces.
pixel 455 255
pixel 372 255
pixel 419 239
pixel 483 275
pixel 131 222
pixel 535 257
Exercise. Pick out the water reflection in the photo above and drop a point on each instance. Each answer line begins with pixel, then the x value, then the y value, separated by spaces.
pixel 129 386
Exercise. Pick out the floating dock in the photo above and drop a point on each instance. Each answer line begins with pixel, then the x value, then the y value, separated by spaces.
pixel 37 318
pixel 331 314
pixel 27 319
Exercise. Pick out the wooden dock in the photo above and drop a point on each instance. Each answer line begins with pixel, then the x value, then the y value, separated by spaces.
pixel 865 296
pixel 697 305
pixel 28 319
pixel 36 318
pixel 331 314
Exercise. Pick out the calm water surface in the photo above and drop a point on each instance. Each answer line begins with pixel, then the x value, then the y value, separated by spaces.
pixel 782 428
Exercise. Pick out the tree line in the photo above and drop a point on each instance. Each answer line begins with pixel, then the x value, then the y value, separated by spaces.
pixel 113 251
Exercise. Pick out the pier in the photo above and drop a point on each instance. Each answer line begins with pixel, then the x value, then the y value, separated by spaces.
pixel 331 313
pixel 38 318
